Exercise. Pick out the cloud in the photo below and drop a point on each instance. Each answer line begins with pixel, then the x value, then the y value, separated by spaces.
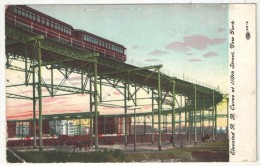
pixel 50 99
pixel 27 91
pixel 22 115
pixel 198 42
pixel 117 93
pixel 152 60
pixel 158 52
pixel 195 60
pixel 23 105
pixel 221 29
pixel 210 54
pixel 147 107
pixel 178 46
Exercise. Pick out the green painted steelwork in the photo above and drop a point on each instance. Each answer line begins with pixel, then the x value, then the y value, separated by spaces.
pixel 159 111
pixel 40 93
pixel 68 59
pixel 173 113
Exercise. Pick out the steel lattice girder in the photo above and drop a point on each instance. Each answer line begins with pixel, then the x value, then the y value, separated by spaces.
pixel 137 77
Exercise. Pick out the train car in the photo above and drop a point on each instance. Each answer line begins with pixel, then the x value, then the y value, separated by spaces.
pixel 103 46
pixel 36 22
pixel 39 23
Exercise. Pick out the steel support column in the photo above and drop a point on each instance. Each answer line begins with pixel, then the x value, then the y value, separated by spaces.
pixel 203 125
pixel 159 111
pixel 96 104
pixel 144 124
pixel 90 110
pixel 180 115
pixel 185 114
pixel 195 110
pixel 26 64
pixel 216 121
pixel 200 121
pixel 40 94
pixel 134 129
pixel 34 111
pixel 52 81
pixel 213 119
pixel 125 104
pixel 190 122
pixel 152 116
pixel 173 113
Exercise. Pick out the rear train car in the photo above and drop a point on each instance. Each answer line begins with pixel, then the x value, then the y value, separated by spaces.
pixel 36 22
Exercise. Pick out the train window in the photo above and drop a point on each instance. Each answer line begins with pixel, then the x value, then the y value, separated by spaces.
pixel 58 27
pixel 15 9
pixel 23 12
pixel 52 24
pixel 38 18
pixel 19 11
pixel 26 14
pixel 43 20
pixel 95 41
pixel 34 17
pixel 55 26
pixel 47 22
pixel 69 31
pixel 61 28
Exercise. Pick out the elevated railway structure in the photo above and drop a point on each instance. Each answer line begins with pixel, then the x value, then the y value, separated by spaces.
pixel 36 51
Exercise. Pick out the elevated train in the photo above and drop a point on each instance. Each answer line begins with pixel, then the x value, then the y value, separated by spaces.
pixel 39 23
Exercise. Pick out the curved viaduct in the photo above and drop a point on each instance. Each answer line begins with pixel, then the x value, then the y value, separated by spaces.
pixel 35 51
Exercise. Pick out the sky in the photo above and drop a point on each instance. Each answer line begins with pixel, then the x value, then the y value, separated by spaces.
pixel 188 40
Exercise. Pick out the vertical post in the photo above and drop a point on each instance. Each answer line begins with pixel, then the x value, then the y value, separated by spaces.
pixel 26 71
pixel 180 116
pixel 96 104
pixel 144 124
pixel 125 104
pixel 190 121
pixel 213 110
pixel 185 114
pixel 152 117
pixel 104 124
pixel 200 122
pixel 82 83
pixel 195 110
pixel 91 118
pixel 100 89
pixel 40 94
pixel 134 129
pixel 34 111
pixel 52 81
pixel 209 120
pixel 203 130
pixel 159 110
pixel 173 113
pixel 67 127
pixel 216 121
